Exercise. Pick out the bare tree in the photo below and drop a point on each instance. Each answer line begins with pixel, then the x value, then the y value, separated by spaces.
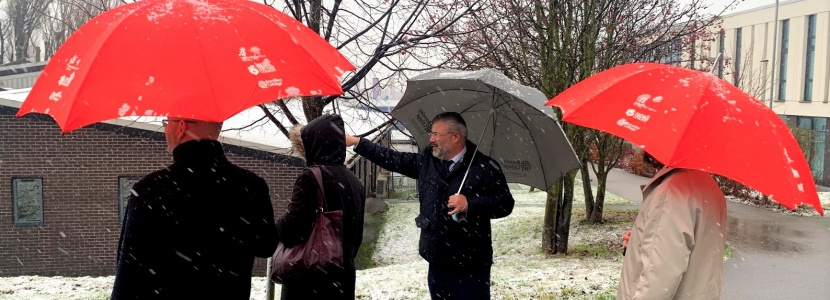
pixel 387 39
pixel 551 45
pixel 63 17
pixel 24 17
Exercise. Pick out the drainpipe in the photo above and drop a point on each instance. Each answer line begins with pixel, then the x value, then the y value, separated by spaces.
pixel 774 53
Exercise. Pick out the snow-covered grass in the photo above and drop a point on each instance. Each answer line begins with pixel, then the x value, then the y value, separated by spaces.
pixel 57 287
pixel 824 197
pixel 803 211
pixel 398 239
pixel 521 271
pixel 522 195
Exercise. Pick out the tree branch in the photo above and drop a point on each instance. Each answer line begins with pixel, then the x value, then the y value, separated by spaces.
pixel 288 113
pixel 273 119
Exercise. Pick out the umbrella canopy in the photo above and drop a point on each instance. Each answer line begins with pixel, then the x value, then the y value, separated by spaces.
pixel 507 118
pixel 200 59
pixel 694 120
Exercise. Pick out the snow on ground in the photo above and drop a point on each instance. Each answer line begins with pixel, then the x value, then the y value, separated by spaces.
pixel 803 211
pixel 521 271
pixel 522 195
pixel 58 287
pixel 397 242
pixel 824 197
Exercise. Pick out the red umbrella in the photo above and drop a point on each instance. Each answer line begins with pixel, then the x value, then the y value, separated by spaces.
pixel 200 59
pixel 694 120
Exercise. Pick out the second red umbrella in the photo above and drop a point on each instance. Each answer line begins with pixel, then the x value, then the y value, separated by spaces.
pixel 694 120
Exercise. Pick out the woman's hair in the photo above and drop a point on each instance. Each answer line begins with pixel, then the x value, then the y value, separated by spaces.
pixel 297 139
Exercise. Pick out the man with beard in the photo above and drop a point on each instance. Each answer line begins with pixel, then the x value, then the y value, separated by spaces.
pixel 455 227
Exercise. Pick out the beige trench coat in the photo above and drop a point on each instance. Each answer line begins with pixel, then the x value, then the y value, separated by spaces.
pixel 676 247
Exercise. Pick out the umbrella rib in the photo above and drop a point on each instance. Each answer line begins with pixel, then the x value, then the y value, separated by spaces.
pixel 535 146
pixel 506 102
pixel 689 123
pixel 495 109
pixel 471 106
pixel 254 88
pixel 493 140
pixel 523 125
pixel 529 114
pixel 269 21
pixel 83 82
pixel 204 59
pixel 477 103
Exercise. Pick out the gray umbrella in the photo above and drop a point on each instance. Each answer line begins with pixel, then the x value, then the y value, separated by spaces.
pixel 509 119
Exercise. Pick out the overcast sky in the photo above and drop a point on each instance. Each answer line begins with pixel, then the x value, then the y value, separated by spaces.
pixel 718 5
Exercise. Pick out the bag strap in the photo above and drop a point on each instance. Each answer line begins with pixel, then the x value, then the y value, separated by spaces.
pixel 321 196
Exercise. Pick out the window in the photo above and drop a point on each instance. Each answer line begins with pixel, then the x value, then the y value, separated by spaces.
pixel 28 201
pixel 817 163
pixel 670 53
pixel 125 187
pixel 791 121
pixel 721 40
pixel 677 52
pixel 736 76
pixel 782 69
pixel 805 123
pixel 811 58
pixel 818 127
pixel 692 52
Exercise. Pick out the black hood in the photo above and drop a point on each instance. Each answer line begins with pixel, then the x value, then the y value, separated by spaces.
pixel 324 141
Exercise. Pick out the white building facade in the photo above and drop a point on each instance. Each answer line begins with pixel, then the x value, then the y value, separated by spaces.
pixel 787 67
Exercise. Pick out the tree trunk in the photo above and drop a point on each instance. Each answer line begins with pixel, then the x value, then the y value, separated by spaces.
pixel 313 107
pixel 601 171
pixel 316 10
pixel 586 187
pixel 557 221
pixel 551 208
pixel 563 224
pixel 599 204
pixel 2 45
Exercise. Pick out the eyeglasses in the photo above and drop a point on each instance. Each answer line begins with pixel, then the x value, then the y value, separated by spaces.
pixel 435 134
pixel 167 121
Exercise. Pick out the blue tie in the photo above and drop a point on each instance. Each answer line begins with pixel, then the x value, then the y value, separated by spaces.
pixel 447 164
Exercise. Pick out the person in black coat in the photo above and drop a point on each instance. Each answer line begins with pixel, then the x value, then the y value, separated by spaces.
pixel 322 143
pixel 192 230
pixel 455 228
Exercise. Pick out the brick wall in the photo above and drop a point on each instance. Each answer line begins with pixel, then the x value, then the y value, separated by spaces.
pixel 80 171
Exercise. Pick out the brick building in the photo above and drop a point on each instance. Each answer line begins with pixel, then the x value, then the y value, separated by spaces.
pixel 63 195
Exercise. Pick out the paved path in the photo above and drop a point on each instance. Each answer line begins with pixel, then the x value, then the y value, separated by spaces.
pixel 623 184
pixel 777 256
